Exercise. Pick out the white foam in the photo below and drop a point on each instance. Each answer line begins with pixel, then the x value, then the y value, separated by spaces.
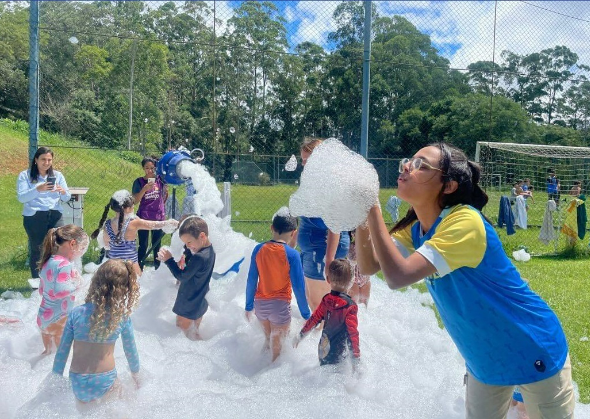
pixel 410 367
pixel 121 196
pixel 207 200
pixel 337 185
pixel 282 212
pixel 291 165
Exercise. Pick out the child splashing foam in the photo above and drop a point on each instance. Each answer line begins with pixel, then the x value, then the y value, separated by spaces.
pixel 121 230
pixel 59 280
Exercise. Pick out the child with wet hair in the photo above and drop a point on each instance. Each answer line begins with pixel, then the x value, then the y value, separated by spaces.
pixel 58 280
pixel 194 277
pixel 121 230
pixel 340 335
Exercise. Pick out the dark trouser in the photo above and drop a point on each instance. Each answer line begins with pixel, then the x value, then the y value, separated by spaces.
pixel 143 238
pixel 37 226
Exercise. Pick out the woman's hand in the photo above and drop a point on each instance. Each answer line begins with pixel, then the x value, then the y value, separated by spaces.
pixel 45 186
pixel 59 189
pixel 148 187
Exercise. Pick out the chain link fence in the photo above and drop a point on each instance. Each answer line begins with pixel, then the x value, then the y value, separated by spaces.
pixel 247 81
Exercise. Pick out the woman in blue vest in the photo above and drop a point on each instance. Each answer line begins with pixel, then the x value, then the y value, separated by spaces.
pixel 506 333
pixel 319 246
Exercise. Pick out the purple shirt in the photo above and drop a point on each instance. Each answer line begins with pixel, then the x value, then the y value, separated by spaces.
pixel 151 206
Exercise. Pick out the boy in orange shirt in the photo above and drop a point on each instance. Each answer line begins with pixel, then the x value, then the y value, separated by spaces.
pixel 275 267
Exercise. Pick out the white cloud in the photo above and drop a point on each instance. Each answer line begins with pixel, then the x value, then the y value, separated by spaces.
pixel 316 21
pixel 521 27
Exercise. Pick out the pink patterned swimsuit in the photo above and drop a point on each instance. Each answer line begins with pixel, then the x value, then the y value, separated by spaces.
pixel 59 280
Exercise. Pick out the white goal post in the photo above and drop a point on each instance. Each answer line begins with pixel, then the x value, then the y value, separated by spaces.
pixel 505 164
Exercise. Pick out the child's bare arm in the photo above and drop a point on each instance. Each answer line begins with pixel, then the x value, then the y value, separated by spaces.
pixel 168 226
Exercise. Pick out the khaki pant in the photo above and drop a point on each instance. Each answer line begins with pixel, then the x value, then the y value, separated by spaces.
pixel 552 398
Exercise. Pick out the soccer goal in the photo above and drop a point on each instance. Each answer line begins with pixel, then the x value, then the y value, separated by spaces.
pixel 560 173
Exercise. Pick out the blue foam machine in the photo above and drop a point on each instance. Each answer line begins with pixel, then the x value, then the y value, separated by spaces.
pixel 168 166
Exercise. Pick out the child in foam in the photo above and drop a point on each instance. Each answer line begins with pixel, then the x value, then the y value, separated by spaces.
pixel 340 335
pixel 151 193
pixel 95 327
pixel 506 333
pixel 274 269
pixel 59 280
pixel 121 230
pixel 194 277
pixel 361 287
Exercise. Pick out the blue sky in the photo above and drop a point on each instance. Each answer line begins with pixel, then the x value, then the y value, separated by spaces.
pixel 462 31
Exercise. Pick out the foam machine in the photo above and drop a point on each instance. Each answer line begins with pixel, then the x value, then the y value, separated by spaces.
pixel 169 168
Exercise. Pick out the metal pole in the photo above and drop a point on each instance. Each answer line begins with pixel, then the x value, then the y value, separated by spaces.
pixel 33 78
pixel 366 81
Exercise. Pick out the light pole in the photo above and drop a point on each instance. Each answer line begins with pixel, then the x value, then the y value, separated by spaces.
pixel 170 125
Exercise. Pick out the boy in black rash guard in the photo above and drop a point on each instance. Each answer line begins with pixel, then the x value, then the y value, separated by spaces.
pixel 191 305
pixel 339 312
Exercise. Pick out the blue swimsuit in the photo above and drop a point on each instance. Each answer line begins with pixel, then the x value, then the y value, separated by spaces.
pixel 121 248
pixel 89 387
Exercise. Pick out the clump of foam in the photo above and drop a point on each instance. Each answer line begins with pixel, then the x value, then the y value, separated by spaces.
pixel 282 212
pixel 121 196
pixel 337 185
pixel 207 200
pixel 291 165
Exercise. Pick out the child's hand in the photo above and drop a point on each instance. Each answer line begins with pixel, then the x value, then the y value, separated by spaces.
pixel 182 262
pixel 164 254
pixel 296 340
pixel 249 315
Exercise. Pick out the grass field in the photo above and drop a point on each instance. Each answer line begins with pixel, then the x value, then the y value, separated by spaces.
pixel 560 281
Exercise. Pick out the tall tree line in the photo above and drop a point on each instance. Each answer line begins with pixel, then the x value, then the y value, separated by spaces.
pixel 114 72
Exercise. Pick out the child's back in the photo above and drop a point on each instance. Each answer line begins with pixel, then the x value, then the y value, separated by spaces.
pixel 340 334
pixel 275 269
pixel 339 313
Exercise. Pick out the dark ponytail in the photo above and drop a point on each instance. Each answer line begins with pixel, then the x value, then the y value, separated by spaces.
pixel 457 167
pixel 118 205
pixel 96 232
pixel 406 221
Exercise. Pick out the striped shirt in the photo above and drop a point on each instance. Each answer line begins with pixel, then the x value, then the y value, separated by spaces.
pixel 121 248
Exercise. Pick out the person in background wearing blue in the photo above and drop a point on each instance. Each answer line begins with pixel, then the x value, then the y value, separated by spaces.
pixel 506 333
pixel 553 186
pixel 319 246
pixel 42 190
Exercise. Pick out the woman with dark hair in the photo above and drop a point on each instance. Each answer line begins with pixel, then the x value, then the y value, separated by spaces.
pixel 42 190
pixel 506 333
pixel 151 193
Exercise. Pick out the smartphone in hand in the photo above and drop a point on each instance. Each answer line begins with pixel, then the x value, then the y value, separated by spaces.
pixel 51 180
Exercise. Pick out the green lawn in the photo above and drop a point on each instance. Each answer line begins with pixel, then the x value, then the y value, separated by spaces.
pixel 561 282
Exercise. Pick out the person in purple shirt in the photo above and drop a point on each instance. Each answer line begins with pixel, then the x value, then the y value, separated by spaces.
pixel 151 193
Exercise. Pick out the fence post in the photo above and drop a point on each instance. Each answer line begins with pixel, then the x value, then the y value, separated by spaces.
pixel 226 201
pixel 33 78
pixel 366 81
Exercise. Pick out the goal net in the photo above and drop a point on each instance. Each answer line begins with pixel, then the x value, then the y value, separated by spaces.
pixel 560 173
